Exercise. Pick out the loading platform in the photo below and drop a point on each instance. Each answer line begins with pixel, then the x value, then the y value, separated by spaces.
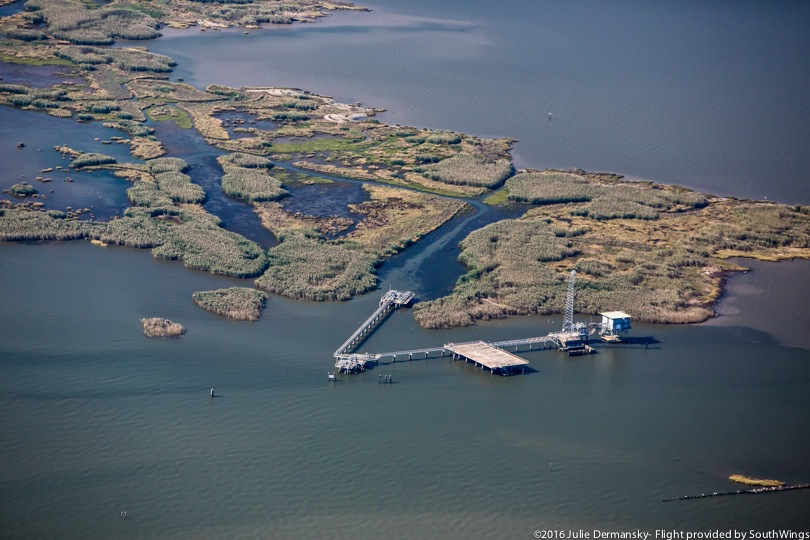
pixel 487 356
pixel 573 340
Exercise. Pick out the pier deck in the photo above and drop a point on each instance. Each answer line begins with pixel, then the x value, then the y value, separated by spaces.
pixel 492 356
pixel 486 355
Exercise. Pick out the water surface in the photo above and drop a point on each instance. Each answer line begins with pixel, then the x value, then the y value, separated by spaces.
pixel 100 191
pixel 99 418
pixel 711 96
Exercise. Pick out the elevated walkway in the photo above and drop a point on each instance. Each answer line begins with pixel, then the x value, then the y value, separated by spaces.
pixel 347 362
pixel 493 356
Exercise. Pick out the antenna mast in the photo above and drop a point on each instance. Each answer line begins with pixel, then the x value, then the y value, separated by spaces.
pixel 568 318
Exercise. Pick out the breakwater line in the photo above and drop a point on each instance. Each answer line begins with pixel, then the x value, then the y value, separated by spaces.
pixel 754 491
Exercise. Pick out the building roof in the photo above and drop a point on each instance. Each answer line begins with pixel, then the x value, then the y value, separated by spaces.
pixel 615 315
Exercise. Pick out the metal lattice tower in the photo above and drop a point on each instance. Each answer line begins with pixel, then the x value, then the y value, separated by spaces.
pixel 568 318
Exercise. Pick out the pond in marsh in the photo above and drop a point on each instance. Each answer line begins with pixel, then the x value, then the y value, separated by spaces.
pixel 240 125
pixel 99 191
pixel 325 199
pixel 38 76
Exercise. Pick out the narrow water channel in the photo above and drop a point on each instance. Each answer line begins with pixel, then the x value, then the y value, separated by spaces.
pixel 236 215
pixel 430 266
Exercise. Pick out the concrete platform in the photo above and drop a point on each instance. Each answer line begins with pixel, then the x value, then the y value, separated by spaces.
pixel 486 355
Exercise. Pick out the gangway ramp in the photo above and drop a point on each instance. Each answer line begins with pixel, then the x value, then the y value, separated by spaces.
pixel 348 362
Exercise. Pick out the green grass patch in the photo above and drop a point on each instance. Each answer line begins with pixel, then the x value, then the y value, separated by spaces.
pixel 328 144
pixel 500 197
pixel 180 117
pixel 11 59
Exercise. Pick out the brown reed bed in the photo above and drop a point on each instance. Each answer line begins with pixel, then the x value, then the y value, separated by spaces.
pixel 159 327
pixel 240 303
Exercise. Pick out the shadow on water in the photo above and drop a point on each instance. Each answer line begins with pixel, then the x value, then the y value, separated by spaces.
pixel 646 342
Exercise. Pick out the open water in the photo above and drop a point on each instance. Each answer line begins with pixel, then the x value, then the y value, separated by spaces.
pixel 709 95
pixel 97 419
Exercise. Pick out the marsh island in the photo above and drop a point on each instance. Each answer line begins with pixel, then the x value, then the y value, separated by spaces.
pixel 658 251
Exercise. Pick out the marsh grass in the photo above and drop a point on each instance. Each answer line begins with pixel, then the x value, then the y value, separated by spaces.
pixel 750 227
pixel 165 90
pixel 49 99
pixel 159 327
pixel 129 59
pixel 289 116
pixel 252 185
pixel 167 164
pixel 246 177
pixel 80 25
pixel 467 170
pixel 610 207
pixel 202 244
pixel 666 270
pixel 132 127
pixel 91 159
pixel 240 159
pixel 394 219
pixel 550 187
pixel 22 190
pixel 193 236
pixel 304 266
pixel 25 34
pixel 135 229
pixel 25 224
pixel 170 114
pixel 602 201
pixel 740 479
pixel 179 187
pixel 443 137
pixel 147 193
pixel 240 303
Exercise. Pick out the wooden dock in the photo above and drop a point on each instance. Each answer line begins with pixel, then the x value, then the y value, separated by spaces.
pixel 487 356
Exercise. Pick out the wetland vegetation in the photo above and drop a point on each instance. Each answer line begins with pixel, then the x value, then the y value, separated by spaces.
pixel 159 327
pixel 240 303
pixel 658 252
